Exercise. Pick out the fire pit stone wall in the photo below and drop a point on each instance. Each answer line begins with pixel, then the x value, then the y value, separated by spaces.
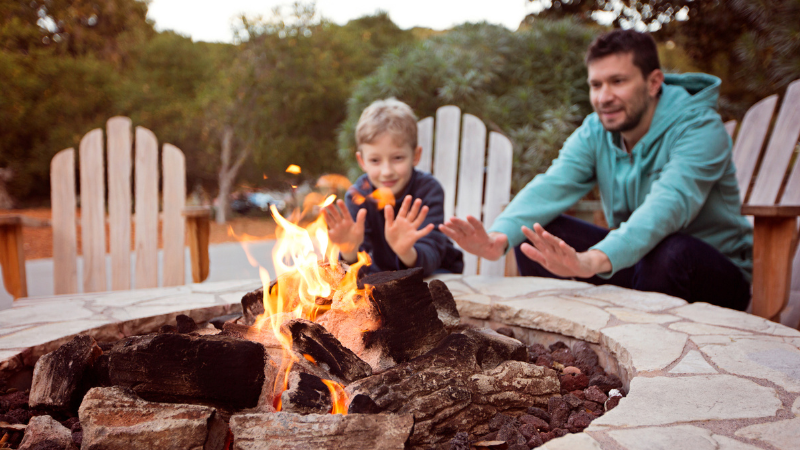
pixel 697 376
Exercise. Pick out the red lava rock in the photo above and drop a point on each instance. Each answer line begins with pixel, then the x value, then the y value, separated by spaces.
pixel 605 382
pixel 578 421
pixel 518 447
pixel 558 432
pixel 592 406
pixel 539 412
pixel 579 394
pixel 612 402
pixel 11 420
pixel 537 350
pixel 544 360
pixel 594 394
pixel 555 346
pixel 528 430
pixel 511 435
pixel 573 402
pixel 537 422
pixel 20 415
pixel 564 356
pixel 499 420
pixel 577 382
pixel 586 359
pixel 546 436
pixel 559 411
pixel 535 441
pixel 14 400
pixel 460 441
pixel 572 370
pixel 489 437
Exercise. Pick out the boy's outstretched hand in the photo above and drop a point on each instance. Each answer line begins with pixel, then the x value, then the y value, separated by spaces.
pixel 343 231
pixel 402 232
pixel 472 237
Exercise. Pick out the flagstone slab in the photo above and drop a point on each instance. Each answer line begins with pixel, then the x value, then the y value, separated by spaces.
pixel 628 298
pixel 775 361
pixel 219 287
pixel 233 298
pixel 783 434
pixel 577 441
pixel 796 407
pixel 41 334
pixel 476 306
pixel 132 297
pixel 702 328
pixel 715 315
pixel 677 437
pixel 632 316
pixel 644 347
pixel 31 314
pixel 515 287
pixel 668 400
pixel 693 362
pixel 556 314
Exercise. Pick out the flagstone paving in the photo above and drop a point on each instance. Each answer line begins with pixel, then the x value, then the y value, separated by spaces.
pixel 696 376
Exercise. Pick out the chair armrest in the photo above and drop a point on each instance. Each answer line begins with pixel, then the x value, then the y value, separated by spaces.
pixel 198 231
pixel 771 210
pixel 12 255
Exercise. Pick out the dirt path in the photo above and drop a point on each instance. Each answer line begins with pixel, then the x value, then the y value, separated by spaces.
pixel 38 241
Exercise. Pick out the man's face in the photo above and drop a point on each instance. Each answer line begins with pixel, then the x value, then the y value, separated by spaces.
pixel 387 164
pixel 619 93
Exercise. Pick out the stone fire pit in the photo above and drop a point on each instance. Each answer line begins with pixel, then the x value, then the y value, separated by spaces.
pixel 697 376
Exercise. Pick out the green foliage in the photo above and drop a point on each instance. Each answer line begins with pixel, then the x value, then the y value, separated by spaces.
pixel 287 88
pixel 529 85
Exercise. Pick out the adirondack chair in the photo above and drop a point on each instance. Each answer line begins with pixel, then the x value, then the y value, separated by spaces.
pixel 177 220
pixel 462 173
pixel 12 256
pixel 774 210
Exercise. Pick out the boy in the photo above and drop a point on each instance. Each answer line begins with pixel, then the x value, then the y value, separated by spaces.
pixel 387 150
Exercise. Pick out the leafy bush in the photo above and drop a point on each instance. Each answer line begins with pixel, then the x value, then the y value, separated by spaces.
pixel 529 85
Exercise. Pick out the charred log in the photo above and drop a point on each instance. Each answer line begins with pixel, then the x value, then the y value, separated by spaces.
pixel 309 338
pixel 306 394
pixel 447 390
pixel 410 325
pixel 221 370
pixel 496 348
pixel 57 375
pixel 445 303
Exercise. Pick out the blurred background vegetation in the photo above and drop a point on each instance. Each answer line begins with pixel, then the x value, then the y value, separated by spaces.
pixel 290 88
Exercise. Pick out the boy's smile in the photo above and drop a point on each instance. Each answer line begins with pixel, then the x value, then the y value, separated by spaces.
pixel 387 164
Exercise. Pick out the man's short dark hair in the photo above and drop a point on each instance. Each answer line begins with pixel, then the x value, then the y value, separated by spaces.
pixel 642 45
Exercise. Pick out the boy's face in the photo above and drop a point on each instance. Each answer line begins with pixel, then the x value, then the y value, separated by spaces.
pixel 388 165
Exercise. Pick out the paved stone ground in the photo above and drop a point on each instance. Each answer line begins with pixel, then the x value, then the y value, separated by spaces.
pixel 698 376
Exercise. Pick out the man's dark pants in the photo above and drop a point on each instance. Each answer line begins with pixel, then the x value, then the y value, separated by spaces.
pixel 680 265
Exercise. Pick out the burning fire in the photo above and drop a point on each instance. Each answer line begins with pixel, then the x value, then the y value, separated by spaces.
pixel 308 269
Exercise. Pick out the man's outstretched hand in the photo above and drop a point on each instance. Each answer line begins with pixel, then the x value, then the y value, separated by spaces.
pixel 559 258
pixel 472 237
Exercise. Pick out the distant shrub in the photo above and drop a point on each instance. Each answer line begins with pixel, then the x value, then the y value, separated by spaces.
pixel 529 85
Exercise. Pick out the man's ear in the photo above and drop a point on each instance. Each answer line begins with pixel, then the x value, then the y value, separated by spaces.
pixel 360 160
pixel 654 81
pixel 417 154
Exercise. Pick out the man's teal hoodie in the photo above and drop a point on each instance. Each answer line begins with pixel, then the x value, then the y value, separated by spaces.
pixel 679 178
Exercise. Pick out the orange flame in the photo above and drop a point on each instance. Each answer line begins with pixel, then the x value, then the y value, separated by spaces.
pixel 301 280
pixel 293 169
pixel 381 196
pixel 338 397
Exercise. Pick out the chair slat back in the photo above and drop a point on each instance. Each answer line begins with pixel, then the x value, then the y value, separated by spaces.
pixel 146 208
pixel 445 158
pixel 469 197
pixel 471 164
pixel 425 140
pixel 498 192
pixel 750 141
pixel 779 152
pixel 174 229
pixel 65 245
pixel 93 212
pixel 118 136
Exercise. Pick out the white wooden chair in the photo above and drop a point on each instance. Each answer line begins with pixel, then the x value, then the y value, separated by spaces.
pixel 177 221
pixel 475 182
pixel 771 195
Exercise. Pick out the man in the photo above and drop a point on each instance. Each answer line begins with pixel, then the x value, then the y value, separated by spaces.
pixel 661 158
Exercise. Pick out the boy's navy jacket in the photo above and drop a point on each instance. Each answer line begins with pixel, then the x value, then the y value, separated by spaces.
pixel 434 251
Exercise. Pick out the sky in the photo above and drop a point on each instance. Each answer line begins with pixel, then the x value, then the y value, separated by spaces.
pixel 211 20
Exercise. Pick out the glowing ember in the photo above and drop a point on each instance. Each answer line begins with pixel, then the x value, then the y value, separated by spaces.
pixel 381 196
pixel 338 397
pixel 293 169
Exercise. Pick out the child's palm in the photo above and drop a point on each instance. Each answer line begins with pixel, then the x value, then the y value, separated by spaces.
pixel 342 230
pixel 402 232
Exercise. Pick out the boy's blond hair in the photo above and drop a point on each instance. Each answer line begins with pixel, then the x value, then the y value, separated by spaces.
pixel 387 116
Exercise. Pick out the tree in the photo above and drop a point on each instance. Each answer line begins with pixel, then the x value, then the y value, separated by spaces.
pixel 529 85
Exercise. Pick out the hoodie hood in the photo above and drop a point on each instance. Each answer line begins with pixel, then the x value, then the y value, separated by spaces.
pixel 681 94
